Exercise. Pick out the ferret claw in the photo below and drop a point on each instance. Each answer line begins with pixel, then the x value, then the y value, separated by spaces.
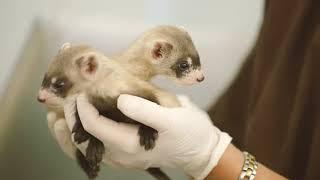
pixel 148 137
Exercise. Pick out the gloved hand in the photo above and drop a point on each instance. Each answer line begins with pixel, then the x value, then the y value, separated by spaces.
pixel 187 138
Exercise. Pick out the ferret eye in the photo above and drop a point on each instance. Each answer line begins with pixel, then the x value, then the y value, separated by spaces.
pixel 184 65
pixel 58 85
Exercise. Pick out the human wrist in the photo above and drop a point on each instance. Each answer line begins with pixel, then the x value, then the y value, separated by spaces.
pixel 229 166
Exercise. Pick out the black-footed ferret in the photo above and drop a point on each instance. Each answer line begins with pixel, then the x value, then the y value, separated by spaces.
pixel 163 50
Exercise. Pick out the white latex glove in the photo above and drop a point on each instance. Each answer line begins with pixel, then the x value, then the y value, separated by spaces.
pixel 187 138
pixel 62 134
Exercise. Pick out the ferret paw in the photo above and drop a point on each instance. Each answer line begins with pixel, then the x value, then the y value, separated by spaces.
pixel 94 152
pixel 91 171
pixel 148 137
pixel 80 136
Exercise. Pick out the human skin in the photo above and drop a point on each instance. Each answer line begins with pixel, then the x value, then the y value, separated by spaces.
pixel 230 165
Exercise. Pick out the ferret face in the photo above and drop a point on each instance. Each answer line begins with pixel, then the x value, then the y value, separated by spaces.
pixel 178 61
pixel 186 70
pixel 174 55
pixel 54 88
pixel 71 71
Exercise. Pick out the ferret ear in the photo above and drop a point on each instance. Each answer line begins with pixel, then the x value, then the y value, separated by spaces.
pixel 88 66
pixel 161 50
pixel 182 28
pixel 65 46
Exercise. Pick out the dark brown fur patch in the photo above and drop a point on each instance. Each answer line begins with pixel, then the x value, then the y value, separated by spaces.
pixel 158 174
pixel 53 87
pixel 195 61
pixel 91 171
pixel 175 68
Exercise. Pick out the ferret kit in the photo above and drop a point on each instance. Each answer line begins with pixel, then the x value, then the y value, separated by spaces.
pixel 162 50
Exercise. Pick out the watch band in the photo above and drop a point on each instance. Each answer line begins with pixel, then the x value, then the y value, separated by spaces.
pixel 249 169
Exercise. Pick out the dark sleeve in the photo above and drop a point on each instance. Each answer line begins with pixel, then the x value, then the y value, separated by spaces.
pixel 272 107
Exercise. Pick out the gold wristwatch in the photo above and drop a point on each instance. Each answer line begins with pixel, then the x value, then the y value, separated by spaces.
pixel 249 169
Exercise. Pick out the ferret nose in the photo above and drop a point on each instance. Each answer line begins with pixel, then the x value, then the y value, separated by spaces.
pixel 200 79
pixel 42 100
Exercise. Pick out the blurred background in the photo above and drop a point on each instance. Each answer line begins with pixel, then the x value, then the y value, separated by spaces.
pixel 32 31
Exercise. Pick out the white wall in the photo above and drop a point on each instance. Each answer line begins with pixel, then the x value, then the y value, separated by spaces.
pixel 16 19
pixel 222 21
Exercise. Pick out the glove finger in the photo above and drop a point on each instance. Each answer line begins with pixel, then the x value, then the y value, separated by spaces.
pixel 143 111
pixel 63 137
pixel 70 112
pixel 51 118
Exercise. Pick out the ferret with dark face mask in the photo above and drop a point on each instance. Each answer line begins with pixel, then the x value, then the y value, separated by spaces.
pixel 83 69
pixel 163 50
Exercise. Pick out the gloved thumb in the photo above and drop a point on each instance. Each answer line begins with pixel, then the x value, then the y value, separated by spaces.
pixel 143 111
pixel 185 101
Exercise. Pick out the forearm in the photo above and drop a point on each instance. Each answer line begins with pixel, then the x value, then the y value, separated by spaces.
pixel 230 166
